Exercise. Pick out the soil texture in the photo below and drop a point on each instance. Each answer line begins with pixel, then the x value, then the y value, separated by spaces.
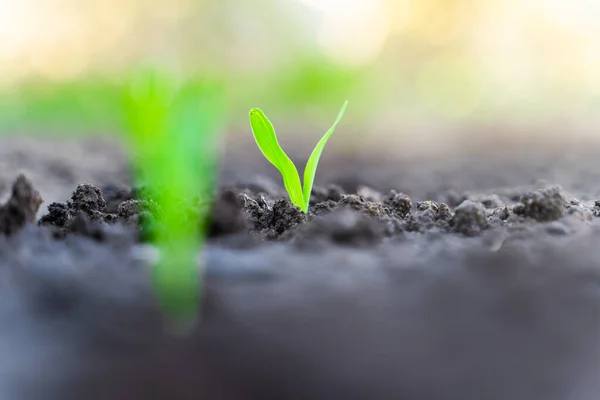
pixel 397 284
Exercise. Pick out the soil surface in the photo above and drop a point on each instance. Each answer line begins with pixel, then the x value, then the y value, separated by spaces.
pixel 471 275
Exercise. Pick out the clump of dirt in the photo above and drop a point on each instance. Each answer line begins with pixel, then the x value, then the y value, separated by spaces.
pixel 398 202
pixel 84 213
pixel 88 199
pixel 428 215
pixel 272 220
pixel 547 204
pixel 21 208
pixel 469 218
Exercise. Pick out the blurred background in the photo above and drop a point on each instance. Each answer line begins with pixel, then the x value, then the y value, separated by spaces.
pixel 419 74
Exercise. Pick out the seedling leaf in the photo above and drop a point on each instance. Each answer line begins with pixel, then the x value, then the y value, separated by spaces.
pixel 265 137
pixel 313 161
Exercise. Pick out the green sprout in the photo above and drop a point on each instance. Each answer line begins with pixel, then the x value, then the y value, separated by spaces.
pixel 265 137
pixel 171 128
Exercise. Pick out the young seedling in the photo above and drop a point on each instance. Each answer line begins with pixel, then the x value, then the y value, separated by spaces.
pixel 265 137
pixel 171 129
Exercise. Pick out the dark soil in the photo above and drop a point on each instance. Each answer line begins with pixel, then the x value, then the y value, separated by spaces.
pixel 379 292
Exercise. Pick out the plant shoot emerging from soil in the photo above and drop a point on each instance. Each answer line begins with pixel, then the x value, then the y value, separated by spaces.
pixel 265 137
pixel 171 128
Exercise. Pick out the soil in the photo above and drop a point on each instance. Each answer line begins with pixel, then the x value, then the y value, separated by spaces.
pixel 472 275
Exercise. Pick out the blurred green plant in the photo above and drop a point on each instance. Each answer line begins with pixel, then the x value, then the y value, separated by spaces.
pixel 84 106
pixel 172 130
pixel 266 139
pixel 91 104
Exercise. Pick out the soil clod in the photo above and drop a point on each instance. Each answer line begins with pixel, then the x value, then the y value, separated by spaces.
pixel 469 218
pixel 87 198
pixel 543 204
pixel 82 214
pixel 399 202
pixel 21 208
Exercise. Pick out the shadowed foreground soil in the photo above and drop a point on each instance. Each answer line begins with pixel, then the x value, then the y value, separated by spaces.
pixel 456 289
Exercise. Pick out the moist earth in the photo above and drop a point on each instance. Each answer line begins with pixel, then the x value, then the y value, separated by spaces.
pixel 367 218
pixel 374 294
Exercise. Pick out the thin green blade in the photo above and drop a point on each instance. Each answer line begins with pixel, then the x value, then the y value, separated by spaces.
pixel 265 137
pixel 313 160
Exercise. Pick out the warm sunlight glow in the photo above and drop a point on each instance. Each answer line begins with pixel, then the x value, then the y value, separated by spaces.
pixel 511 42
pixel 352 31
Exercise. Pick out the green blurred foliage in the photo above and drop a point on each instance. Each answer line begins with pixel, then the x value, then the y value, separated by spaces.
pixel 86 106
pixel 172 130
pixel 313 87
